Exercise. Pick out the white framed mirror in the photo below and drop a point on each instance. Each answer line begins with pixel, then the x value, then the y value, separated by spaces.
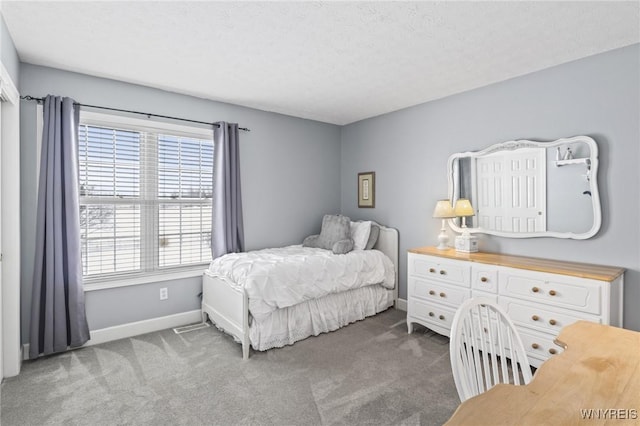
pixel 524 188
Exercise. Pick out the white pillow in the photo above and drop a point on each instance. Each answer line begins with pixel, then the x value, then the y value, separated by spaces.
pixel 360 234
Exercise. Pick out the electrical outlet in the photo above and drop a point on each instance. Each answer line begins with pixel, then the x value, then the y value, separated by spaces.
pixel 164 293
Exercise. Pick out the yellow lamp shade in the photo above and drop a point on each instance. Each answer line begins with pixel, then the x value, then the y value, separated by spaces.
pixel 443 209
pixel 463 208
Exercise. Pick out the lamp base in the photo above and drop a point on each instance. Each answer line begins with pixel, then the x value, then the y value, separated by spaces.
pixel 467 243
pixel 443 239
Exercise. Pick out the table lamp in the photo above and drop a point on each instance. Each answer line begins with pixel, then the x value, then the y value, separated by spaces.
pixel 443 211
pixel 466 242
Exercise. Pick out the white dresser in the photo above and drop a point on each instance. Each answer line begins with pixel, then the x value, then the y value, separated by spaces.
pixel 541 296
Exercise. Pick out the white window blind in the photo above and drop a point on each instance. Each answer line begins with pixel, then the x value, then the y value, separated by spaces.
pixel 145 198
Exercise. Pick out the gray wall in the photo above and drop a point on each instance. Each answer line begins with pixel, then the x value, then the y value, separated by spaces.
pixel 295 170
pixel 597 96
pixel 290 171
pixel 8 54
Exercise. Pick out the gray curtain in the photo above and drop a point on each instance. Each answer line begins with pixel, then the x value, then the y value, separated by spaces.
pixel 58 319
pixel 227 230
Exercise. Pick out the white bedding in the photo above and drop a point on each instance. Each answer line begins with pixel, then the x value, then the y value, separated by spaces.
pixel 281 277
pixel 286 326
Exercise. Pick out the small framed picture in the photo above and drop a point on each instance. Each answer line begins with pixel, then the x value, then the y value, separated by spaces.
pixel 367 189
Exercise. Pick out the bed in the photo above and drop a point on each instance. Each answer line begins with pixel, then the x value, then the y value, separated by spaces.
pixel 269 321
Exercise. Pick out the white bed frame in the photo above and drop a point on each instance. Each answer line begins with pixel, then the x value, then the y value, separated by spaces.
pixel 228 307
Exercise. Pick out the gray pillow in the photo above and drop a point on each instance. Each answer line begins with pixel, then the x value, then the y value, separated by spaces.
pixel 373 236
pixel 335 235
pixel 311 241
pixel 342 246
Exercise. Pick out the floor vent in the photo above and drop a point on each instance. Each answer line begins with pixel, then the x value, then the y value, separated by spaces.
pixel 191 327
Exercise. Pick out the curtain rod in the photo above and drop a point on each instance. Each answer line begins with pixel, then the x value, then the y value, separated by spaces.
pixel 148 114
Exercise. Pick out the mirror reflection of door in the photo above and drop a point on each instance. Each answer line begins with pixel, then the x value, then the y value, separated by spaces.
pixel 519 193
pixel 511 191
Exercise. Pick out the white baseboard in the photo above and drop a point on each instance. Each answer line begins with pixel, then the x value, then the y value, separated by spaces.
pixel 137 328
pixel 401 305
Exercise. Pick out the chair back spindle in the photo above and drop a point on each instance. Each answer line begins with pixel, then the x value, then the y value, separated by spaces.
pixel 485 349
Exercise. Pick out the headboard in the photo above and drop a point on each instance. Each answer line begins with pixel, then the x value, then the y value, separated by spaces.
pixel 388 244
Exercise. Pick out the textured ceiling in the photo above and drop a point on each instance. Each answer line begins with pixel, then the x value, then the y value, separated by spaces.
pixel 336 62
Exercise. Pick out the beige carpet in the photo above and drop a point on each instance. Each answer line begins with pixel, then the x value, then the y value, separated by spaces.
pixel 368 373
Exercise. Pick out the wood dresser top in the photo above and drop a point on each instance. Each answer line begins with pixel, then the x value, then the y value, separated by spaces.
pixel 582 270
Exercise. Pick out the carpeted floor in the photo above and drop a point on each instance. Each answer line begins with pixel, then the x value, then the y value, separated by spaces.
pixel 368 373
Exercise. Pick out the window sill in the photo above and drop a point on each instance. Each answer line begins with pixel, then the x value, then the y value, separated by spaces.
pixel 103 284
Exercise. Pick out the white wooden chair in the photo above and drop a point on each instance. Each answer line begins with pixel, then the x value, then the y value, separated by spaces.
pixel 485 349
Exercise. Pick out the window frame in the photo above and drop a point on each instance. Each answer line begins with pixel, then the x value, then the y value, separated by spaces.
pixel 150 271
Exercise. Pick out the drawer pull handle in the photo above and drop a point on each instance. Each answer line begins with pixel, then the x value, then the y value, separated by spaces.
pixel 484 279
pixel 431 292
pixel 443 272
pixel 535 318
pixel 535 345
pixel 431 314
pixel 552 351
pixel 552 292
pixel 535 289
pixel 552 322
pixel 443 295
pixel 432 270
pixel 441 317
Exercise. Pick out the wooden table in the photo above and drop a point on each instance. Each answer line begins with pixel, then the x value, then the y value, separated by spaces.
pixel 595 381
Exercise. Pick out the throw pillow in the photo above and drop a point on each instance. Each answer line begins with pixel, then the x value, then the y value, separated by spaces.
pixel 373 236
pixel 360 234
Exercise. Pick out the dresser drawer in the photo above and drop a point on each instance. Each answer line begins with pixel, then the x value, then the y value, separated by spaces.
pixel 484 278
pixel 438 292
pixel 577 294
pixel 539 346
pixel 431 313
pixel 542 317
pixel 447 271
pixel 491 296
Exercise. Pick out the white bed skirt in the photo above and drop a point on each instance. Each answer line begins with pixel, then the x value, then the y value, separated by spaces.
pixel 286 326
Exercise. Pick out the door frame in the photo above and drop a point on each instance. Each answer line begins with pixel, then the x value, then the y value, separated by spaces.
pixel 10 226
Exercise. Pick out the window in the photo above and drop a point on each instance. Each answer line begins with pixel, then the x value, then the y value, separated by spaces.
pixel 145 195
